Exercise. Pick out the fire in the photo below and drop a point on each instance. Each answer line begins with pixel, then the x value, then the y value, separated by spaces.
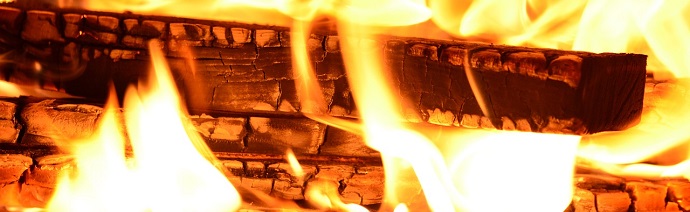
pixel 9 89
pixel 179 177
pixel 454 169
pixel 654 28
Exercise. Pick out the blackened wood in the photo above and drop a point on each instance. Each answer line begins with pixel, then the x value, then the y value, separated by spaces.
pixel 82 51
pixel 361 184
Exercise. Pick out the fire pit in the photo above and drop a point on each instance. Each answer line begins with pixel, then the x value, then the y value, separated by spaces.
pixel 273 110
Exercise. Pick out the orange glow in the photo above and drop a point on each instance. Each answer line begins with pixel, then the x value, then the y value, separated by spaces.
pixel 294 165
pixel 446 168
pixel 248 11
pixel 654 28
pixel 8 89
pixel 179 177
pixel 450 166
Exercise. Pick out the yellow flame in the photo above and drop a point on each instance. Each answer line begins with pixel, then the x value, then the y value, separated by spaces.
pixel 409 155
pixel 294 164
pixel 170 169
pixel 445 166
pixel 644 27
pixel 518 168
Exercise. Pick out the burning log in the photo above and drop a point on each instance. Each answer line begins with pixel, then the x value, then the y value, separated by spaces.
pixel 247 68
pixel 359 184
pixel 340 158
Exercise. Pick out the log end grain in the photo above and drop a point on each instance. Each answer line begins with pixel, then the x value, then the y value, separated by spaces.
pixel 616 83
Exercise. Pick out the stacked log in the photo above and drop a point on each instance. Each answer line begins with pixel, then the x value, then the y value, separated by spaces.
pixel 253 151
pixel 233 67
pixel 247 102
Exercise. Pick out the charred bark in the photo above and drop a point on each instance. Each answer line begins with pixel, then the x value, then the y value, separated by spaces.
pixel 341 158
pixel 247 68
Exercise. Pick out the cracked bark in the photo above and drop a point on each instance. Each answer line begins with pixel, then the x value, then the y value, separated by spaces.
pixel 231 58
pixel 353 166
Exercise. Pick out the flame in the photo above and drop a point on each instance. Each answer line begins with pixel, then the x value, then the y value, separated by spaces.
pixel 451 179
pixel 445 163
pixel 654 28
pixel 13 90
pixel 294 164
pixel 170 168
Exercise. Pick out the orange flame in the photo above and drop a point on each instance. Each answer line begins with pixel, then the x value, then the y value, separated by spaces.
pixel 446 166
pixel 655 28
pixel 179 177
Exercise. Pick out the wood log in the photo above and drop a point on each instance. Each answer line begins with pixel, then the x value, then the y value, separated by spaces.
pixel 361 184
pixel 535 89
pixel 48 121
pixel 342 158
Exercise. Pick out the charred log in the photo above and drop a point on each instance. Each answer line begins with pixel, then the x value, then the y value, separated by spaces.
pixel 82 51
pixel 359 184
pixel 342 158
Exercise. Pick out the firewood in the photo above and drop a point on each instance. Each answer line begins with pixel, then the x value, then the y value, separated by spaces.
pixel 247 68
pixel 362 184
pixel 356 169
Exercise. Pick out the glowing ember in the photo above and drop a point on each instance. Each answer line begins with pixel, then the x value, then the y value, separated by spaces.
pixel 8 89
